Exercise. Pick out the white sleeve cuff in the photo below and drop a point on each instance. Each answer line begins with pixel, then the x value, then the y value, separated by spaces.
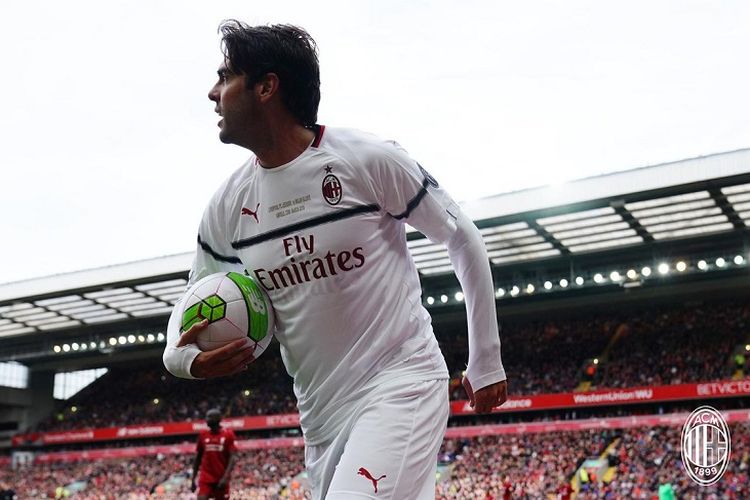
pixel 178 360
pixel 478 381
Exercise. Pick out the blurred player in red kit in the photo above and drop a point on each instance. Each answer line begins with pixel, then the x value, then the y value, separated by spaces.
pixel 215 459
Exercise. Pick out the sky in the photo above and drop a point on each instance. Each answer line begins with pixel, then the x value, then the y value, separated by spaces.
pixel 109 148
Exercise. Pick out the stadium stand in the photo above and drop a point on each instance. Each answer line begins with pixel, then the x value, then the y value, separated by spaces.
pixel 531 464
pixel 624 302
pixel 660 346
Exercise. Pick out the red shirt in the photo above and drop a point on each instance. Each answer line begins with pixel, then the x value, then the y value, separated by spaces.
pixel 216 448
pixel 565 491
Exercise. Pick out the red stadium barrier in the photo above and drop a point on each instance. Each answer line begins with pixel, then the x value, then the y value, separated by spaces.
pixel 156 430
pixel 140 451
pixel 675 419
pixel 605 397
pixel 633 395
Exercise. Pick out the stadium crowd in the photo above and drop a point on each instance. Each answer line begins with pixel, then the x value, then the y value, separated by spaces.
pixel 647 458
pixel 148 393
pixel 539 465
pixel 548 364
pixel 260 474
pixel 516 466
pixel 677 345
pixel 524 466
pixel 646 347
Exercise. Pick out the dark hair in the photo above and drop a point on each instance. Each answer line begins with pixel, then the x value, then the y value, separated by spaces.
pixel 288 51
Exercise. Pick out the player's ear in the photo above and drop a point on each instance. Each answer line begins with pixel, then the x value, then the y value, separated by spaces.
pixel 267 86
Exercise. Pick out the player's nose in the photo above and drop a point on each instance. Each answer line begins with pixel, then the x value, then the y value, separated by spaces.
pixel 213 94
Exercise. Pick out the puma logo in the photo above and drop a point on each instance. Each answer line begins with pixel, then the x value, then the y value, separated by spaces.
pixel 247 211
pixel 364 472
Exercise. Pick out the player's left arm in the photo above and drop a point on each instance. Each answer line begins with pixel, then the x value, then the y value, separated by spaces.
pixel 232 452
pixel 227 472
pixel 196 464
pixel 407 192
pixel 485 380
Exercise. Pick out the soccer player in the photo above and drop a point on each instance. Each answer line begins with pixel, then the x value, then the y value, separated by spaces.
pixel 317 216
pixel 215 457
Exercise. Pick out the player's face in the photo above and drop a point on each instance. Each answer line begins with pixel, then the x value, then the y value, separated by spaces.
pixel 213 420
pixel 235 104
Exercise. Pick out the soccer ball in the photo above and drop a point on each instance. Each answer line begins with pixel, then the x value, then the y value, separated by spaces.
pixel 235 307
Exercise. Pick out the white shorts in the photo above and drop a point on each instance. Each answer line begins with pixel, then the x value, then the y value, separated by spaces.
pixel 387 449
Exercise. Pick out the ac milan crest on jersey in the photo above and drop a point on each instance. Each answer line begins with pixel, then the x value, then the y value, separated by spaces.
pixel 332 188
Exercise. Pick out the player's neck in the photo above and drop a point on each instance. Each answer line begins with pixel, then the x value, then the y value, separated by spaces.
pixel 282 143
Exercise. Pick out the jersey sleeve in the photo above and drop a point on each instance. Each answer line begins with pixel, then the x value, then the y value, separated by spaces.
pixel 469 259
pixel 407 192
pixel 213 254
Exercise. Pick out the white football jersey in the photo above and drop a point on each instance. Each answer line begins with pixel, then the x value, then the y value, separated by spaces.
pixel 325 236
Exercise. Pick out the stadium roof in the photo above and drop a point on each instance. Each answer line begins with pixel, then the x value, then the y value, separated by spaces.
pixel 676 203
pixel 699 196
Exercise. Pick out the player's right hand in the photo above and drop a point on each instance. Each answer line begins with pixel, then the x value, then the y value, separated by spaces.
pixel 228 360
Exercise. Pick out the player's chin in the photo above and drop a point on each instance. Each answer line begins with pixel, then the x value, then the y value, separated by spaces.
pixel 225 135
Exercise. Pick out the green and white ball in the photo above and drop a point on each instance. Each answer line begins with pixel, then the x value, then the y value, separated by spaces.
pixel 235 307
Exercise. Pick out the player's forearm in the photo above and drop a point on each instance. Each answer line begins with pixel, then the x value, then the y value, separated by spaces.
pixel 469 258
pixel 178 360
pixel 197 465
pixel 228 470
